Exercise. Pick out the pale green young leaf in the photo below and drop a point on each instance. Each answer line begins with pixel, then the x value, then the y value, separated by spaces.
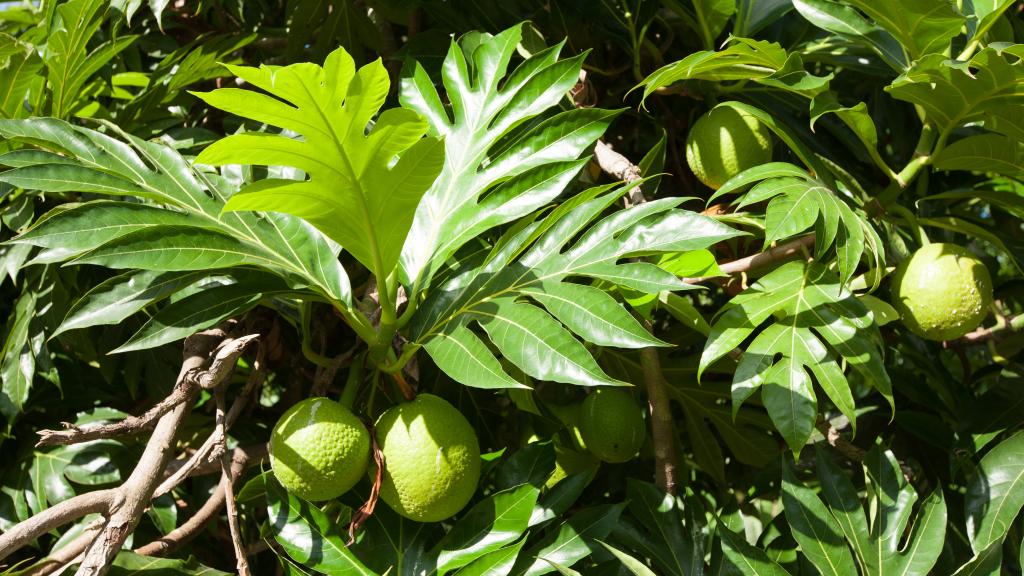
pixel 357 193
pixel 953 94
pixel 520 171
pixel 921 26
pixel 983 153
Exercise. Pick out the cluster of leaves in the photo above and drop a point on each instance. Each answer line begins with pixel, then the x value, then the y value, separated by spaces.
pixel 443 200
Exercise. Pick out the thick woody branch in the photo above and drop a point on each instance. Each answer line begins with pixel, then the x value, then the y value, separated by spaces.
pixel 134 495
pixel 618 166
pixel 211 450
pixel 659 405
pixel 219 368
pixel 67 554
pixel 181 535
pixel 849 450
pixel 98 502
pixel 662 433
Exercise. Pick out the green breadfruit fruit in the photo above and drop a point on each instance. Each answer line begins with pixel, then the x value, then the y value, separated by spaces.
pixel 431 459
pixel 319 449
pixel 725 142
pixel 612 425
pixel 942 292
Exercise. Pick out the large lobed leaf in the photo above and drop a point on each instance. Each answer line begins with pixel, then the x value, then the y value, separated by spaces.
pixel 180 230
pixel 816 322
pixel 364 183
pixel 536 262
pixel 502 159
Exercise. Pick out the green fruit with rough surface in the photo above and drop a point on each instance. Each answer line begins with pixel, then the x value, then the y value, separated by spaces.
pixel 725 142
pixel 319 449
pixel 612 425
pixel 942 292
pixel 431 459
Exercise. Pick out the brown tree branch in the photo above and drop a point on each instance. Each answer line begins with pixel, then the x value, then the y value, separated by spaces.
pixel 1005 327
pixel 191 527
pixel 97 502
pixel 659 405
pixel 187 531
pixel 228 481
pixel 768 257
pixel 662 433
pixel 210 451
pixel 134 495
pixel 67 554
pixel 131 425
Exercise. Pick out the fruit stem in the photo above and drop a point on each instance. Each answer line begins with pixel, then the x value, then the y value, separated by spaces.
pixel 922 236
pixel 355 377
pixel 403 386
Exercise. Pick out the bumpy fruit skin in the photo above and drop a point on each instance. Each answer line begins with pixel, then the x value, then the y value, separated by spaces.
pixel 319 449
pixel 942 292
pixel 725 142
pixel 431 456
pixel 612 425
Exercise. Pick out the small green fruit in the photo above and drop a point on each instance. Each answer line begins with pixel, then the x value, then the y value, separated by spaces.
pixel 319 449
pixel 725 142
pixel 431 459
pixel 612 425
pixel 942 292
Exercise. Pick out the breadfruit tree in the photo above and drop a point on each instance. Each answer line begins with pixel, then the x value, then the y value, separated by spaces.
pixel 418 287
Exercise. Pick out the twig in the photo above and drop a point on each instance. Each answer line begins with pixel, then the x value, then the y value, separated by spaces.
pixel 618 166
pixel 182 534
pixel 131 425
pixel 209 452
pixel 662 432
pixel 188 530
pixel 99 501
pixel 241 562
pixel 766 258
pixel 325 375
pixel 981 335
pixel 849 450
pixel 658 402
pixel 134 495
pixel 403 386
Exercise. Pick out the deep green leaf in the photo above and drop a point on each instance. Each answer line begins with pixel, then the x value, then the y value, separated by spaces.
pixel 574 540
pixel 492 523
pixel 996 494
pixel 308 536
pixel 814 527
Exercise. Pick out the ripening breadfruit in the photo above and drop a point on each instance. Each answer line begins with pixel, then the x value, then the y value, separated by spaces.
pixel 319 449
pixel 431 459
pixel 942 292
pixel 612 425
pixel 725 142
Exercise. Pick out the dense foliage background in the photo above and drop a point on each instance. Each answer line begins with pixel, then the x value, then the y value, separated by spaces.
pixel 807 430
